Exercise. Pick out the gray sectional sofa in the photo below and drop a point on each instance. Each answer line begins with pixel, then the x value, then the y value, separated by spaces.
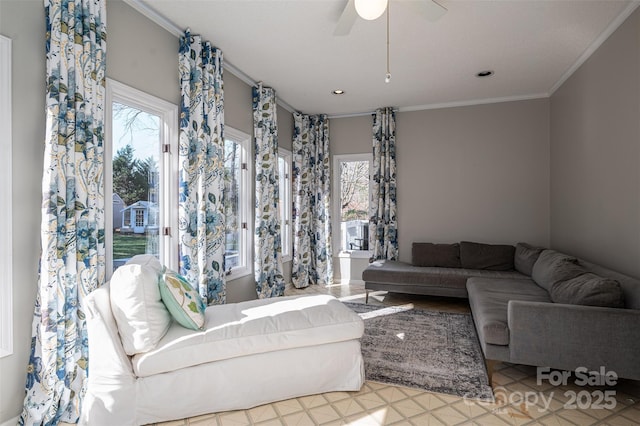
pixel 441 269
pixel 538 307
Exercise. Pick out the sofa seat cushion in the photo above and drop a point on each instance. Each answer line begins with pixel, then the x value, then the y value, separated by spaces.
pixel 489 300
pixel 401 273
pixel 252 327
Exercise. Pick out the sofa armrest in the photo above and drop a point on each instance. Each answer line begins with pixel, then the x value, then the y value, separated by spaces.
pixel 571 336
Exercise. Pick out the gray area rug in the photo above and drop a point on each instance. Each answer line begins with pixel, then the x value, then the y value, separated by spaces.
pixel 429 350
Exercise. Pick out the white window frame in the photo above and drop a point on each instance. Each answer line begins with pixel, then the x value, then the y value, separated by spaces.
pixel 6 224
pixel 285 222
pixel 168 166
pixel 337 160
pixel 245 207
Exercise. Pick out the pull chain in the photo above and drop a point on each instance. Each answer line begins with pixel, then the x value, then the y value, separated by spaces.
pixel 387 77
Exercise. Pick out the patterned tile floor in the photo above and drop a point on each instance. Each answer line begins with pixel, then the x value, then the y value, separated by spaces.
pixel 519 400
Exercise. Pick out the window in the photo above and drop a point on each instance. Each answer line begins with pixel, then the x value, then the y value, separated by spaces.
pixel 141 161
pixel 6 256
pixel 284 189
pixel 237 203
pixel 351 202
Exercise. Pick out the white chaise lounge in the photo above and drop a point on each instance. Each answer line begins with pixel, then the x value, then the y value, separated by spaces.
pixel 249 354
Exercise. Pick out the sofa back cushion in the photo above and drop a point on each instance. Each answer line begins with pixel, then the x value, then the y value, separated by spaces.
pixel 525 257
pixel 430 254
pixel 494 257
pixel 552 267
pixel 588 289
pixel 630 285
pixel 147 260
pixel 141 316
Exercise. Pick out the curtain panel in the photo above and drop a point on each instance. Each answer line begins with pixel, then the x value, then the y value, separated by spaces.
pixel 72 262
pixel 383 225
pixel 267 239
pixel 201 216
pixel 311 177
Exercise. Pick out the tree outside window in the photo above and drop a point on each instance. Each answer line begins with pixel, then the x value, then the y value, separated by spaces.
pixel 352 178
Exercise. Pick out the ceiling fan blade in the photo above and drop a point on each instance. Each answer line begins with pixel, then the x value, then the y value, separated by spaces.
pixel 428 9
pixel 347 19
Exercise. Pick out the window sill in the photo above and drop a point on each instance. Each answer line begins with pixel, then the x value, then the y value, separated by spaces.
pixel 355 254
pixel 237 273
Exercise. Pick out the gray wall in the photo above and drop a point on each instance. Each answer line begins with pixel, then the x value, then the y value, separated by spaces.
pixel 23 22
pixel 285 128
pixel 478 173
pixel 140 53
pixel 350 135
pixel 595 155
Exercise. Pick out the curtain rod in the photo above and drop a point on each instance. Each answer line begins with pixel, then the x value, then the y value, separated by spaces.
pixel 165 23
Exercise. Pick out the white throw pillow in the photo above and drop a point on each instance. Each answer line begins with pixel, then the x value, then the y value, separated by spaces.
pixel 148 260
pixel 141 316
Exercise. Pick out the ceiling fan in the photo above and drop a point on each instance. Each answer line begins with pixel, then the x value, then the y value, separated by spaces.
pixel 372 9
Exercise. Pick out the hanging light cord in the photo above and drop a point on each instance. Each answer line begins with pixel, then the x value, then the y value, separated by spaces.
pixel 387 77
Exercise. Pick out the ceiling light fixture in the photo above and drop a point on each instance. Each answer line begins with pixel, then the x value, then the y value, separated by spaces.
pixel 338 92
pixel 486 73
pixel 370 9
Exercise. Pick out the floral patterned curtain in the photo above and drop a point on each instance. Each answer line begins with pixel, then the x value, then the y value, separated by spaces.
pixel 312 262
pixel 72 262
pixel 201 161
pixel 267 242
pixel 383 224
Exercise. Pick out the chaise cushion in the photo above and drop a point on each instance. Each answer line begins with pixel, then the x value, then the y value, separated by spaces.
pixel 141 316
pixel 589 289
pixel 526 257
pixel 494 257
pixel 429 254
pixel 252 327
pixel 552 267
pixel 489 300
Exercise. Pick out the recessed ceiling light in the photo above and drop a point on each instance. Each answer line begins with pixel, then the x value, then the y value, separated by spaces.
pixel 338 92
pixel 485 73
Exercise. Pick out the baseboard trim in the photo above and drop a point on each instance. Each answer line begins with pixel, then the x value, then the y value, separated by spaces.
pixel 290 286
pixel 11 422
pixel 348 282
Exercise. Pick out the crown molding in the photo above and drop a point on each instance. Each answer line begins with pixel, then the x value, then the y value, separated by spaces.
pixel 473 102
